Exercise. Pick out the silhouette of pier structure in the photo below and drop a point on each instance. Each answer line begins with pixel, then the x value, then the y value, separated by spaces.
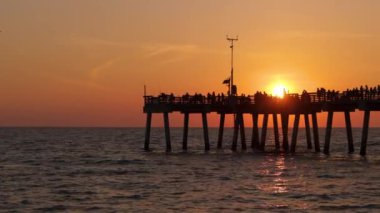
pixel 306 105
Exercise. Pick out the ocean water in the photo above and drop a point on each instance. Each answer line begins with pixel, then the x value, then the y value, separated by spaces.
pixel 106 170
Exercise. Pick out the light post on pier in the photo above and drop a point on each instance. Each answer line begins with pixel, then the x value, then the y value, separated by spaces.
pixel 231 87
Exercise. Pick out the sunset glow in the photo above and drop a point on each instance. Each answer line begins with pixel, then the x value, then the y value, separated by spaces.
pixel 85 64
pixel 279 90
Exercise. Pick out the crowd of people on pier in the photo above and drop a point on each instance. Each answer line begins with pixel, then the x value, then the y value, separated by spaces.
pixel 322 95
pixel 220 98
pixel 197 98
pixel 327 95
pixel 363 93
pixel 357 93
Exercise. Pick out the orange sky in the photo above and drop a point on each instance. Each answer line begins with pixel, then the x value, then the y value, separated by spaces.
pixel 84 62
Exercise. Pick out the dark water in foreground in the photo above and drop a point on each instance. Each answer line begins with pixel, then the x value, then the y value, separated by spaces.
pixel 106 170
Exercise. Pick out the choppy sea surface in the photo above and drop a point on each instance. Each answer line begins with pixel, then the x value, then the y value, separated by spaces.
pixel 106 170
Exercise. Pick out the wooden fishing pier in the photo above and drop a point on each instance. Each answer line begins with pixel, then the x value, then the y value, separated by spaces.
pixel 306 105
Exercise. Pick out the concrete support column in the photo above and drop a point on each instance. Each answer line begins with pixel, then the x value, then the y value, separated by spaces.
pixel 255 131
pixel 285 126
pixel 264 132
pixel 363 145
pixel 350 139
pixel 242 132
pixel 147 130
pixel 235 134
pixel 167 132
pixel 295 132
pixel 326 148
pixel 276 134
pixel 221 129
pixel 185 130
pixel 315 132
pixel 308 132
pixel 205 131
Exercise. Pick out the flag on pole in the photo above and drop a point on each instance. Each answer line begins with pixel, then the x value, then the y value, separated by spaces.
pixel 227 81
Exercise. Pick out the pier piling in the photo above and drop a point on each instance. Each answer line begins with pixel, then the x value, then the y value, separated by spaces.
pixel 330 116
pixel 221 129
pixel 349 132
pixel 363 145
pixel 264 131
pixel 147 130
pixel 276 133
pixel 167 132
pixel 185 130
pixel 285 127
pixel 315 132
pixel 242 132
pixel 255 131
pixel 295 132
pixel 307 129
pixel 235 134
pixel 205 131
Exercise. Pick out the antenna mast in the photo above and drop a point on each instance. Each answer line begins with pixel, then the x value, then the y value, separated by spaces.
pixel 232 87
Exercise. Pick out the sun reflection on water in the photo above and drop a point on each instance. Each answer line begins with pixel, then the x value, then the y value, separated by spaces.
pixel 277 184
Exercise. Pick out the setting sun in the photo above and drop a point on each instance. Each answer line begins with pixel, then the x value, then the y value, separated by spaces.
pixel 279 90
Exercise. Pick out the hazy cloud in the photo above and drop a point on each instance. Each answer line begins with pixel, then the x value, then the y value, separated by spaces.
pixel 92 41
pixel 171 52
pixel 84 83
pixel 96 71
pixel 323 35
pixel 158 49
